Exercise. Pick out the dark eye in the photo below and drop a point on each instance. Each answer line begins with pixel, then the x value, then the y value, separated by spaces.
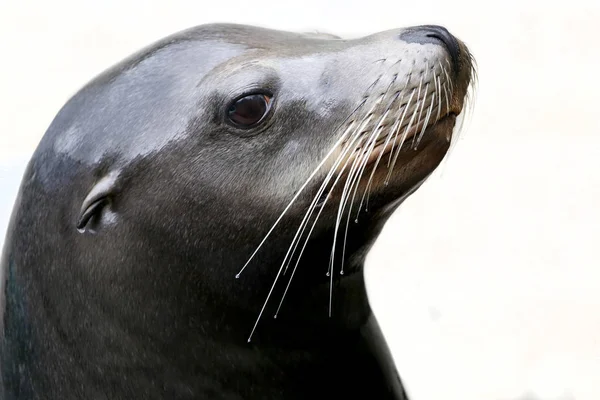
pixel 250 110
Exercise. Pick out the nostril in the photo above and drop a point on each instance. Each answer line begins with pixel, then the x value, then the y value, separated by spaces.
pixel 436 35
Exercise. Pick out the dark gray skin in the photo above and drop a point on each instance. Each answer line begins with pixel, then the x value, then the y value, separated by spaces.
pixel 142 203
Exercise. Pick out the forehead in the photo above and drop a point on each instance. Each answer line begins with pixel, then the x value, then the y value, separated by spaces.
pixel 256 37
pixel 202 48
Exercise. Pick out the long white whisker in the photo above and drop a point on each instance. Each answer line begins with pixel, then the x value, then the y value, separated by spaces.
pixel 394 127
pixel 387 140
pixel 370 143
pixel 336 228
pixel 400 126
pixel 286 257
pixel 338 161
pixel 308 236
pixel 426 123
pixel 312 175
pixel 404 135
pixel 355 135
pixel 447 98
pixel 350 181
pixel 344 196
pixel 438 90
pixel 448 80
pixel 358 161
pixel 311 208
pixel 448 75
pixel 421 103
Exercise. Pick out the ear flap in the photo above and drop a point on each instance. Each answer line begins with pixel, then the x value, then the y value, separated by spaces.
pixel 97 199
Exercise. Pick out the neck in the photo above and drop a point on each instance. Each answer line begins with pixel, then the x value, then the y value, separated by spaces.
pixel 175 355
pixel 145 324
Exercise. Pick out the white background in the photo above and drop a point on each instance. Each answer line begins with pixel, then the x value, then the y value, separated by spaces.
pixel 486 281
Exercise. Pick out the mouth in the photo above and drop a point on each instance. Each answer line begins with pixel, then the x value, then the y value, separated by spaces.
pixel 440 130
pixel 388 147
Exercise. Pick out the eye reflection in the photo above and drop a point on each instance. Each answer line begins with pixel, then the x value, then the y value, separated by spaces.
pixel 249 110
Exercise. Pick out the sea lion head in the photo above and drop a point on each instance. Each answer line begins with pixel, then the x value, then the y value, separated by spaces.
pixel 222 175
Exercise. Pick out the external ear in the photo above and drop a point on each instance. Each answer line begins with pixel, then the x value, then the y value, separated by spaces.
pixel 93 207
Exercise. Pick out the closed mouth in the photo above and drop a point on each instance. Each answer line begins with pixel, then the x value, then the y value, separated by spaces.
pixel 389 145
pixel 441 129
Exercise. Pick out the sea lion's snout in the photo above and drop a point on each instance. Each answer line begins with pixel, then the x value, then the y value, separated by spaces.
pixel 416 90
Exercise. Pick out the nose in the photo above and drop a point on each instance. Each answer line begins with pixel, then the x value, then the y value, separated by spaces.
pixel 434 34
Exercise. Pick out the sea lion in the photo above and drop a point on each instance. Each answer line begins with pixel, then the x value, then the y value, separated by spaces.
pixel 223 176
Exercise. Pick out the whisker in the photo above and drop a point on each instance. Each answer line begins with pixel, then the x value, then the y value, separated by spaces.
pixel 387 140
pixel 400 126
pixel 332 257
pixel 353 186
pixel 332 170
pixel 286 257
pixel 312 175
pixel 394 127
pixel 448 80
pixel 307 240
pixel 422 103
pixel 366 155
pixel 426 123
pixel 350 182
pixel 355 147
pixel 438 90
pixel 372 85
pixel 404 135
pixel 340 211
pixel 311 208
pixel 356 135
pixel 401 115
pixel 370 144
pixel 365 161
pixel 447 98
